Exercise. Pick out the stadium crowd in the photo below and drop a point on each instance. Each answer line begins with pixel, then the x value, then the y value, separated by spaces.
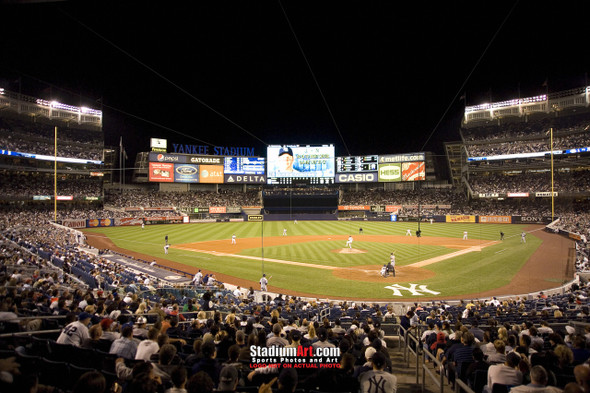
pixel 145 198
pixel 39 139
pixel 147 340
pixel 568 182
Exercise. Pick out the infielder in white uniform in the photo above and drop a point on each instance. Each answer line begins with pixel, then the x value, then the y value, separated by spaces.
pixel 263 283
pixel 523 237
pixel 284 231
pixel 408 232
pixel 166 247
pixel 233 239
pixel 349 242
pixel 465 235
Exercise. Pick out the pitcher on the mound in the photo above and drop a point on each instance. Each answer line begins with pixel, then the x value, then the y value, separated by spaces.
pixel 349 242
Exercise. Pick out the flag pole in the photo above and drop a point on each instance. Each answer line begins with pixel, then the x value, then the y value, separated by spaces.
pixel 55 175
pixel 552 194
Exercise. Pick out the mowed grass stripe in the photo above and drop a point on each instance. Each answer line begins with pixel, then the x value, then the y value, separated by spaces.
pixel 474 272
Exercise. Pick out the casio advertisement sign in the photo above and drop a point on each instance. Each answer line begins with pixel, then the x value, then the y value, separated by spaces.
pixel 366 177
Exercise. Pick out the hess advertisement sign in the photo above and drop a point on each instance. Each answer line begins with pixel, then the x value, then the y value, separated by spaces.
pixel 390 172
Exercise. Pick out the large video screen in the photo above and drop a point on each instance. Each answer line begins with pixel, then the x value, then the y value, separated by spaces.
pixel 288 162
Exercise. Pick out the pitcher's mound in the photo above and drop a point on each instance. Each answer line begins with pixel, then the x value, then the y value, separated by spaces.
pixel 349 251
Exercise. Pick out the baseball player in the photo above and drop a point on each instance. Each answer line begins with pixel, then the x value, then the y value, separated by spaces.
pixel 166 247
pixel 384 271
pixel 465 235
pixel 166 239
pixel 408 232
pixel 142 225
pixel 284 231
pixel 197 278
pixel 233 239
pixel 501 235
pixel 523 237
pixel 264 282
pixel 392 263
pixel 349 242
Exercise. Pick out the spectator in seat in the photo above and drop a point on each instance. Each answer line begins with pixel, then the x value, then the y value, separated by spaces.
pixel 208 363
pixel 76 332
pixel 369 380
pixel 538 383
pixel 148 347
pixel 126 346
pixel 505 374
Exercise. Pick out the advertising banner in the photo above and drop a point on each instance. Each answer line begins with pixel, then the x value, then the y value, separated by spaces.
pixel 255 217
pixel 365 177
pixel 531 220
pixel 451 218
pixel 390 172
pixel 160 172
pixel 495 219
pixel 392 208
pixel 383 159
pixel 545 194
pixel 354 207
pixel 74 223
pixel 206 160
pixel 244 179
pixel 413 171
pixel 127 221
pixel 64 197
pixel 211 173
pixel 233 209
pixel 517 194
pixel 164 220
pixel 164 157
pixel 186 173
pixel 101 222
pixel 217 209
pixel 489 195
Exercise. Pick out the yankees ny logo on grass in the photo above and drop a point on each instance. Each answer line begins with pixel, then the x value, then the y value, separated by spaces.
pixel 397 288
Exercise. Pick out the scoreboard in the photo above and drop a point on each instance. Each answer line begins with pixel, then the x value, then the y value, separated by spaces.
pixel 357 164
pixel 244 166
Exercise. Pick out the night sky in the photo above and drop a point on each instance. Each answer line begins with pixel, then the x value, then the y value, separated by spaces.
pixel 377 76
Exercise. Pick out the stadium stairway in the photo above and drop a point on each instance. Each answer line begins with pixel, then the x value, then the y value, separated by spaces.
pixel 406 375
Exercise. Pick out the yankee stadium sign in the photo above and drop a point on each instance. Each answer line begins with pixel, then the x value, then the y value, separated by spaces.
pixel 215 150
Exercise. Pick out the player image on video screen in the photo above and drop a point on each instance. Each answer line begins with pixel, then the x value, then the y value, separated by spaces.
pixel 286 160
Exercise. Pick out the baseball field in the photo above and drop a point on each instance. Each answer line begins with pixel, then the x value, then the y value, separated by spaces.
pixel 312 259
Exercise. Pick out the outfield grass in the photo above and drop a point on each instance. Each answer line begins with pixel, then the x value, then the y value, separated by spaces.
pixel 474 272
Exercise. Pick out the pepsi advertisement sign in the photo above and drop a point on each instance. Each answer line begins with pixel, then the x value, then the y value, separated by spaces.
pixel 164 157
